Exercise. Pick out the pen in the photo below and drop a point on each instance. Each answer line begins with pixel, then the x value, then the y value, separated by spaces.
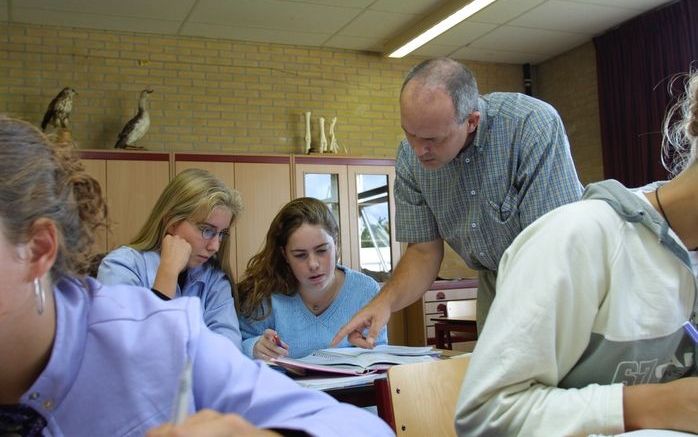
pixel 279 343
pixel 691 330
pixel 181 405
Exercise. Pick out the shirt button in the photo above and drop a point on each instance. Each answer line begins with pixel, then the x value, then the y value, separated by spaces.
pixel 467 160
pixel 473 225
pixel 34 396
pixel 48 404
pixel 482 253
pixel 472 192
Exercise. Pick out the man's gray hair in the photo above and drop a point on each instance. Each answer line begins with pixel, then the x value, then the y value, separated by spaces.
pixel 453 77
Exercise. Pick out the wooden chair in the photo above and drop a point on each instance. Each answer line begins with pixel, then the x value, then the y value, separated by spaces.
pixel 422 397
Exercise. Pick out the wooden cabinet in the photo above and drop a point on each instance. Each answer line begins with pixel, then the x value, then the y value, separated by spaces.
pixel 131 183
pixel 418 324
pixel 263 181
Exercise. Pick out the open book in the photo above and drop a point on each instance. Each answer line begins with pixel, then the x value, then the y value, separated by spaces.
pixel 355 361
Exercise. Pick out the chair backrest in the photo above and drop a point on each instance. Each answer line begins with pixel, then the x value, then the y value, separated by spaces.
pixel 424 396
pixel 461 308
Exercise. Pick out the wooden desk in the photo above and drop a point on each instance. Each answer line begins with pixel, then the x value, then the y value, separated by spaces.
pixel 444 326
pixel 360 395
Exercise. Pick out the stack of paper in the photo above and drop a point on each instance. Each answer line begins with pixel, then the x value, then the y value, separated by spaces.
pixel 336 381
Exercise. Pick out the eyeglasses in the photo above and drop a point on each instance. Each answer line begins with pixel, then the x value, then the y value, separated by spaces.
pixel 207 232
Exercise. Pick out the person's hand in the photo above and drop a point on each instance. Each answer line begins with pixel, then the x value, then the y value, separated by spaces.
pixel 174 253
pixel 209 423
pixel 269 346
pixel 373 317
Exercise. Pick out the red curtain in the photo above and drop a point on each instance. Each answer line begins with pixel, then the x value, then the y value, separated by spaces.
pixel 635 63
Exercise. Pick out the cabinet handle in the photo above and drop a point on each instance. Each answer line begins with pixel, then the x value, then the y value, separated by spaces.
pixel 440 295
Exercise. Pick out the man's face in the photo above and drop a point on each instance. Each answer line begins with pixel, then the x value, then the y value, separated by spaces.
pixel 428 120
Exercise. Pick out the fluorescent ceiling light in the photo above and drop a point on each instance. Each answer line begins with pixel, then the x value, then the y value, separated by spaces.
pixel 440 27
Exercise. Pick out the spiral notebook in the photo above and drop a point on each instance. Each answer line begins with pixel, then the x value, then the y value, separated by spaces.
pixel 355 361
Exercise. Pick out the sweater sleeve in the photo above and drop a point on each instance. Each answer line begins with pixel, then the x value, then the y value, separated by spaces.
pixel 228 381
pixel 252 331
pixel 550 286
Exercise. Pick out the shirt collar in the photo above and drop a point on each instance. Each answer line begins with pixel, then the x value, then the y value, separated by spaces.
pixel 54 383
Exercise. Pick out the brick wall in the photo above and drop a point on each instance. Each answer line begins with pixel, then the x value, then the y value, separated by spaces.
pixel 568 82
pixel 211 95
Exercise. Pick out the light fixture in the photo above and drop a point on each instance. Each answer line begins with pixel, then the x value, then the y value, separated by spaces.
pixel 436 24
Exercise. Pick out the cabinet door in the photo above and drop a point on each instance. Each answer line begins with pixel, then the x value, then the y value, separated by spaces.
pixel 97 168
pixel 374 250
pixel 265 188
pixel 133 187
pixel 329 184
pixel 225 171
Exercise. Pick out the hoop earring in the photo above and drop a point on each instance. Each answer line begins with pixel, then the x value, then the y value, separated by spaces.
pixel 40 296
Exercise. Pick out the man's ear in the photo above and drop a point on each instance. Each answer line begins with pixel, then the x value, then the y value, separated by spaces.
pixel 42 247
pixel 473 120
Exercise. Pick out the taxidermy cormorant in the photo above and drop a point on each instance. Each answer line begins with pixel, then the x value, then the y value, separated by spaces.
pixel 58 112
pixel 137 126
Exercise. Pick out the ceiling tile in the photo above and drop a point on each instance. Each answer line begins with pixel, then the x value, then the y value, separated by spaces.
pixel 638 5
pixel 572 17
pixel 253 34
pixel 541 41
pixel 90 21
pixel 502 11
pixel 464 33
pixel 157 9
pixel 434 50
pixel 498 56
pixel 379 25
pixel 406 6
pixel 273 15
pixel 355 4
pixel 355 43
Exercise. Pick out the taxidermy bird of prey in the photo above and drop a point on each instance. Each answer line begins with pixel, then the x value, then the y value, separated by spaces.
pixel 137 126
pixel 58 111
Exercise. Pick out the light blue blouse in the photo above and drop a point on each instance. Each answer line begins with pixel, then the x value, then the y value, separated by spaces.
pixel 207 282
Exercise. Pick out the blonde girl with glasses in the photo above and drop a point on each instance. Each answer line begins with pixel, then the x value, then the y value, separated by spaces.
pixel 183 249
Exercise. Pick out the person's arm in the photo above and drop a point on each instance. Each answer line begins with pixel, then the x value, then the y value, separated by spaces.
pixel 209 423
pixel 123 266
pixel 252 332
pixel 219 308
pixel 412 277
pixel 225 380
pixel 174 256
pixel 673 405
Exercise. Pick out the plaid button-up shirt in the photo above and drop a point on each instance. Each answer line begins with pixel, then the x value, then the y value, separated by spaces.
pixel 518 168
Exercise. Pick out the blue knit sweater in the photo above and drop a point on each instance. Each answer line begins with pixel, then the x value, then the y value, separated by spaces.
pixel 302 330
